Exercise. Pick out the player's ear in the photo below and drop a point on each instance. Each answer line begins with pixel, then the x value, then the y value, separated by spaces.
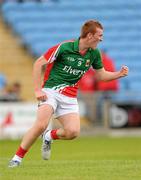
pixel 89 35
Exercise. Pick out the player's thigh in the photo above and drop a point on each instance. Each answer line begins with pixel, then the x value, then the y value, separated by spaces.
pixel 44 114
pixel 70 121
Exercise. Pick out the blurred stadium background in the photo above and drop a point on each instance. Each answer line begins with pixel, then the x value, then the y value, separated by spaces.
pixel 28 29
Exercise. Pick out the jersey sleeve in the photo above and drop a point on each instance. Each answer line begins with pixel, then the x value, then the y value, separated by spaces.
pixel 97 64
pixel 52 53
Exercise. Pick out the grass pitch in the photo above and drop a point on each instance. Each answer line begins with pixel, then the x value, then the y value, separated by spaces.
pixel 86 158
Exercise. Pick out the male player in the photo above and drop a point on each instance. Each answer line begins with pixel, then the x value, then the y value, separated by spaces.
pixel 66 63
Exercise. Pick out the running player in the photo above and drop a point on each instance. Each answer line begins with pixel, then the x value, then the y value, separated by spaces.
pixel 66 63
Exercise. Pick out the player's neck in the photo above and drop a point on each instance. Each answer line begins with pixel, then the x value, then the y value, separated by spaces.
pixel 83 45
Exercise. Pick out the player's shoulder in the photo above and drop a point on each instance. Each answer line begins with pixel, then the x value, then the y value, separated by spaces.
pixel 62 45
pixel 67 43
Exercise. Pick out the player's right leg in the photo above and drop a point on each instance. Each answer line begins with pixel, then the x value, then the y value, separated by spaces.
pixel 70 130
pixel 43 116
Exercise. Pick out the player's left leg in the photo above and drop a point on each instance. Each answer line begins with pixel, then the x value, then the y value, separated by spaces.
pixel 71 126
pixel 67 113
pixel 70 130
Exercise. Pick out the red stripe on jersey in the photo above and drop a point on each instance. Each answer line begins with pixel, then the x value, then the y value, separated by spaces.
pixel 51 52
pixel 49 57
pixel 70 91
pixel 47 72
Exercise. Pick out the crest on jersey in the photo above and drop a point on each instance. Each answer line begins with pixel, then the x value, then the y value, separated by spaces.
pixel 87 63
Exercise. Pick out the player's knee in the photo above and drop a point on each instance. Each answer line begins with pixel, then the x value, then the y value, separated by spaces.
pixel 73 133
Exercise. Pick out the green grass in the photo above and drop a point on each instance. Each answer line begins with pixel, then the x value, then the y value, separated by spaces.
pixel 86 158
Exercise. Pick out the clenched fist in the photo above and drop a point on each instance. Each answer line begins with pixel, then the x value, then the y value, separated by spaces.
pixel 124 71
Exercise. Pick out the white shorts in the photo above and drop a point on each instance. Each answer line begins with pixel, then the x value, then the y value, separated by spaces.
pixel 61 104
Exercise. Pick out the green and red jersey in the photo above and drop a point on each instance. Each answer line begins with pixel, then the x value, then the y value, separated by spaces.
pixel 66 65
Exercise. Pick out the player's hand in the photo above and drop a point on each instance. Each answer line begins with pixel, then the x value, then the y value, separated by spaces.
pixel 40 95
pixel 124 71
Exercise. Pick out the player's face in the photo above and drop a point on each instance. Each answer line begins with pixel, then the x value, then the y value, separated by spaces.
pixel 96 38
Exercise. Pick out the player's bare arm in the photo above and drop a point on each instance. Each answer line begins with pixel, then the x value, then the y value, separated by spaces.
pixel 37 74
pixel 104 75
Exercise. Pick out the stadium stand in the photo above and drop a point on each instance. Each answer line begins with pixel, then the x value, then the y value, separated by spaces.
pixel 13 59
pixel 41 25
